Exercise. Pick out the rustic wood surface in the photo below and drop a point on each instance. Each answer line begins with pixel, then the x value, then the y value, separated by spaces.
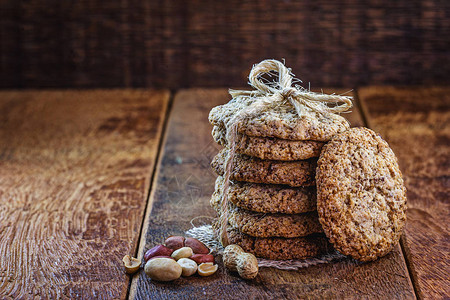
pixel 180 194
pixel 178 43
pixel 416 124
pixel 75 172
pixel 75 169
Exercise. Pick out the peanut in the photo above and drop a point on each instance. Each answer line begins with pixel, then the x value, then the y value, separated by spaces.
pixel 163 269
pixel 247 266
pixel 164 256
pixel 131 264
pixel 174 242
pixel 202 258
pixel 230 255
pixel 159 250
pixel 183 252
pixel 197 246
pixel 188 265
pixel 207 269
pixel 235 259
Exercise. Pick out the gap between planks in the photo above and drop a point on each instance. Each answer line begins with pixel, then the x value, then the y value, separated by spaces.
pixel 148 206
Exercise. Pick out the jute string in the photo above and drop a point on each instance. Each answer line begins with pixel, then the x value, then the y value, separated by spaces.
pixel 265 96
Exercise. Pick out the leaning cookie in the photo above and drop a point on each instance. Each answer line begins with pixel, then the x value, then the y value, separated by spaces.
pixel 281 248
pixel 361 198
pixel 270 148
pixel 252 169
pixel 269 225
pixel 279 121
pixel 269 198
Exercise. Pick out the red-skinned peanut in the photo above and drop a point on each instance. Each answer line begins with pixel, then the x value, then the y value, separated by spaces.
pixel 196 246
pixel 174 242
pixel 202 258
pixel 159 250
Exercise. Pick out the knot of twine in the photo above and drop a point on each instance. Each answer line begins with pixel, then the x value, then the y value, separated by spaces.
pixel 264 95
pixel 301 98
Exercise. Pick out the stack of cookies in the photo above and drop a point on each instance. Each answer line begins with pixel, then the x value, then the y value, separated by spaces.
pixel 272 209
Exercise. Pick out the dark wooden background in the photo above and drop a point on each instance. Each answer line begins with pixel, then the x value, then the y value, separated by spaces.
pixel 178 44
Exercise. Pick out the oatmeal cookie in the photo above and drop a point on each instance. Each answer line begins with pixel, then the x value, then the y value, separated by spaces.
pixel 281 248
pixel 270 148
pixel 279 121
pixel 361 198
pixel 269 198
pixel 269 225
pixel 252 169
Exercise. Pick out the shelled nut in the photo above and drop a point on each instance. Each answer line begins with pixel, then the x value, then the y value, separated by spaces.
pixel 174 242
pixel 183 252
pixel 159 250
pixel 163 269
pixel 196 246
pixel 207 269
pixel 202 258
pixel 188 266
pixel 131 264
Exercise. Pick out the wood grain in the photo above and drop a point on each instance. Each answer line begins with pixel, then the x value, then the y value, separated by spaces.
pixel 75 169
pixel 416 124
pixel 176 44
pixel 180 195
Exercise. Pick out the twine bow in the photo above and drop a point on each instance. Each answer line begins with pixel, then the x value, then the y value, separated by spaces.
pixel 264 95
pixel 299 97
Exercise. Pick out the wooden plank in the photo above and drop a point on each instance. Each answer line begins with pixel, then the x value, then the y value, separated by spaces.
pixel 416 124
pixel 181 43
pixel 181 193
pixel 75 169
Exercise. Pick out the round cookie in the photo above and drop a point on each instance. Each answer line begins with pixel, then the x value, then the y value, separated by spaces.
pixel 281 248
pixel 252 169
pixel 270 148
pixel 269 225
pixel 279 121
pixel 269 198
pixel 361 199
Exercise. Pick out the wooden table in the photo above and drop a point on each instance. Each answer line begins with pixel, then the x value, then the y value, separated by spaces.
pixel 89 176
